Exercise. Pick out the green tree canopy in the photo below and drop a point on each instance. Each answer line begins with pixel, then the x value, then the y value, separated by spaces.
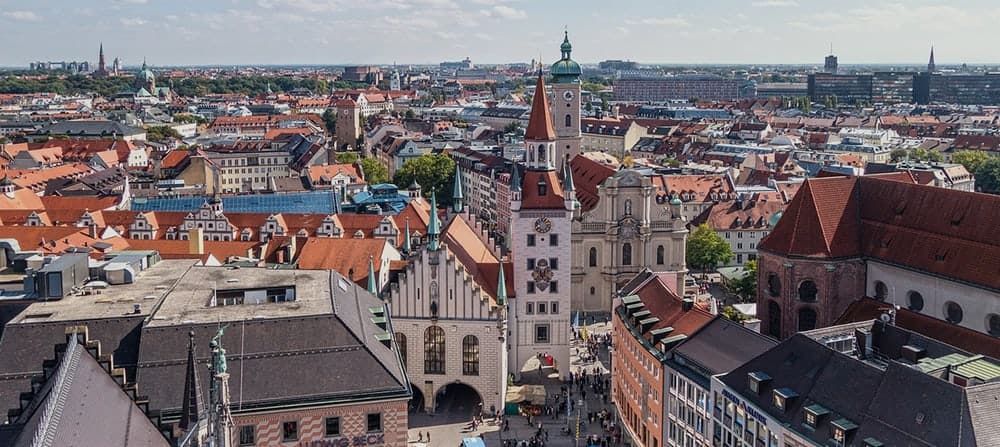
pixel 375 171
pixel 972 160
pixel 347 157
pixel 159 133
pixel 330 120
pixel 706 249
pixel 988 176
pixel 432 172
pixel 746 287
pixel 731 313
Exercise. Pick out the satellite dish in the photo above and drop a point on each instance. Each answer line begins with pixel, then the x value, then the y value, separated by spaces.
pixel 885 318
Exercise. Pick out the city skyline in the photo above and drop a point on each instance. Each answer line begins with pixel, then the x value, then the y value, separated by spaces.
pixel 315 32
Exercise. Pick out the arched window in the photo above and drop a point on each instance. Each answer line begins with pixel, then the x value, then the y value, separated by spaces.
pixel 773 319
pixel 993 325
pixel 773 284
pixel 628 207
pixel 569 120
pixel 470 355
pixel 434 350
pixel 592 290
pixel 626 254
pixel 593 256
pixel 807 319
pixel 659 255
pixel 881 291
pixel 953 312
pixel 807 291
pixel 541 153
pixel 914 301
pixel 401 346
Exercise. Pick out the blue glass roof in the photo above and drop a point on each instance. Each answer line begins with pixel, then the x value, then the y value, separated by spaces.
pixel 303 202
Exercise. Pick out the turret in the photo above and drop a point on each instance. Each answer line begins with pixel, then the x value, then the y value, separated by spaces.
pixel 407 245
pixel 456 195
pixel 501 288
pixel 540 137
pixel 515 188
pixel 190 406
pixel 372 281
pixel 569 189
pixel 434 227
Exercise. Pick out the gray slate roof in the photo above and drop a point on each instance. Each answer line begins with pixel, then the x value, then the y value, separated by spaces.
pixel 89 128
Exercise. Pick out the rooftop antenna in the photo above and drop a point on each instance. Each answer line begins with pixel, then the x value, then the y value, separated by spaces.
pixel 831 47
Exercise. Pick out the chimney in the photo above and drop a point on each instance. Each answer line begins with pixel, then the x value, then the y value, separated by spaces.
pixel 292 248
pixel 912 353
pixel 196 241
pixel 863 341
pixel 687 304
pixel 92 231
pixel 281 256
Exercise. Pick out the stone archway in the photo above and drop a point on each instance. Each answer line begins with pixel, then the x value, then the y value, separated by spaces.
pixel 417 401
pixel 457 401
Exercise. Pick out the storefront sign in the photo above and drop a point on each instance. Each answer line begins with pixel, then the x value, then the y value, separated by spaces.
pixel 363 440
pixel 751 411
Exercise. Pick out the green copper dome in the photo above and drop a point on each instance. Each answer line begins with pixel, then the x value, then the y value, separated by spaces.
pixel 676 200
pixel 566 69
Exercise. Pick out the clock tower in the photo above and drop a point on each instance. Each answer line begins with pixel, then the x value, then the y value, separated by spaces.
pixel 542 206
pixel 566 102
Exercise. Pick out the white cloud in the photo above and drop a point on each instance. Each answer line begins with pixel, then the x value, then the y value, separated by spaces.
pixel 675 21
pixel 23 16
pixel 135 2
pixel 774 3
pixel 505 12
pixel 132 21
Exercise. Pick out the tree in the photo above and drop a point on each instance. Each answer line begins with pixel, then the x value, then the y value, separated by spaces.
pixel 746 287
pixel 972 160
pixel 330 120
pixel 512 127
pixel 706 249
pixel 375 171
pixel 897 155
pixel 347 157
pixel 434 172
pixel 988 176
pixel 922 154
pixel 731 313
pixel 157 134
pixel 410 114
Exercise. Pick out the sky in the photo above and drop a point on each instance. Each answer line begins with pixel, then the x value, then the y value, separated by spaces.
pixel 230 32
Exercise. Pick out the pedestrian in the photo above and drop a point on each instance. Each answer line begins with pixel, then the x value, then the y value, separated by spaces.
pixel 421 437
pixel 428 437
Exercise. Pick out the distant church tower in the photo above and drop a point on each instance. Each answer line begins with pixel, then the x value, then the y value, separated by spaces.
pixel 566 102
pixel 930 63
pixel 102 68
pixel 542 209
pixel 145 79
pixel 394 81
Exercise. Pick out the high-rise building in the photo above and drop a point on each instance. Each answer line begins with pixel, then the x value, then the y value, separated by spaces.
pixel 659 88
pixel 830 63
pixel 566 103
pixel 847 89
pixel 542 207
pixel 892 87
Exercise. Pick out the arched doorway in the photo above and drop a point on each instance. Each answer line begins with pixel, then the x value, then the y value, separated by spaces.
pixel 807 319
pixel 416 404
pixel 457 401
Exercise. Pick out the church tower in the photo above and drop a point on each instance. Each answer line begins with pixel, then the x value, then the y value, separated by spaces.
pixel 566 102
pixel 102 68
pixel 541 216
pixel 930 63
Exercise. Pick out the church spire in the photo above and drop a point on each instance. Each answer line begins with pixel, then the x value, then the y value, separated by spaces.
pixel 434 227
pixel 407 245
pixel 456 194
pixel 190 407
pixel 540 122
pixel 372 282
pixel 930 62
pixel 501 287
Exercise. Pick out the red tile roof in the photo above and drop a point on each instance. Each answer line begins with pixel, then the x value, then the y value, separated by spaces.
pixel 531 197
pixel 540 124
pixel 661 301
pixel 587 175
pixel 941 231
pixel 174 159
pixel 341 255
pixel 479 261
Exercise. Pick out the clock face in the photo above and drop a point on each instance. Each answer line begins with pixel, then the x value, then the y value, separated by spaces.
pixel 543 225
pixel 568 95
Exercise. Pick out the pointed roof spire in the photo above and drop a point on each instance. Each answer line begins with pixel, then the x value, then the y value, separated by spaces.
pixel 144 66
pixel 540 123
pixel 372 283
pixel 515 178
pixel 568 177
pixel 930 62
pixel 190 408
pixel 407 245
pixel 456 194
pixel 501 287
pixel 434 227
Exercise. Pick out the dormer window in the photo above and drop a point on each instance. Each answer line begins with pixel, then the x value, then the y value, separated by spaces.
pixel 542 188
pixel 814 414
pixel 842 431
pixel 756 379
pixel 782 397
pixel 871 442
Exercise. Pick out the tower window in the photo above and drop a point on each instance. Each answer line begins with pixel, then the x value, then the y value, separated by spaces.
pixel 541 153
pixel 569 120
pixel 593 256
pixel 542 188
pixel 626 254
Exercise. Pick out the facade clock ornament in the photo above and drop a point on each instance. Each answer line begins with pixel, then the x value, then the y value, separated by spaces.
pixel 568 95
pixel 543 225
